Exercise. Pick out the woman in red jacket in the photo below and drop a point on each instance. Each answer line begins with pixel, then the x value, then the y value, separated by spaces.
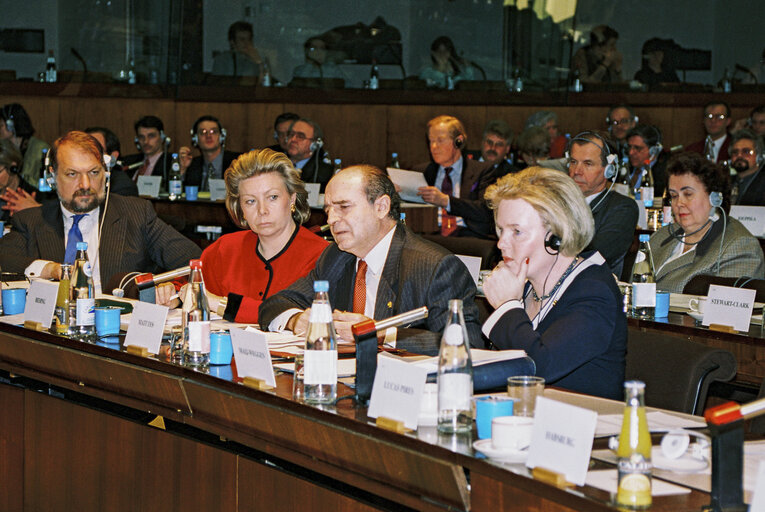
pixel 264 195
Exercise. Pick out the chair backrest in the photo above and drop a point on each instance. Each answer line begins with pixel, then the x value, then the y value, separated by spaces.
pixel 677 372
pixel 699 285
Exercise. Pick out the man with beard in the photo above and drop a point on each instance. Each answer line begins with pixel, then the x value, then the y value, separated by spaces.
pixel 746 155
pixel 123 235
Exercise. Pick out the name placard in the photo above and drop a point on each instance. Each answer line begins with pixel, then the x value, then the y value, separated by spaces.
pixel 562 445
pixel 313 195
pixel 148 185
pixel 752 217
pixel 758 495
pixel 41 302
pixel 729 306
pixel 217 189
pixel 397 391
pixel 146 325
pixel 252 356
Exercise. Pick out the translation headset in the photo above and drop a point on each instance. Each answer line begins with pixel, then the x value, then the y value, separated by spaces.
pixel 316 144
pixel 8 116
pixel 195 135
pixel 605 150
pixel 459 141
pixel 655 150
pixel 609 123
pixel 50 177
pixel 165 140
pixel 676 443
pixel 552 243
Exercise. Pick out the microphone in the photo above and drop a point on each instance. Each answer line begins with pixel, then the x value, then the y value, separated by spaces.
pixel 148 280
pixel 135 165
pixel 369 326
pixel 168 140
pixel 79 57
pixel 746 70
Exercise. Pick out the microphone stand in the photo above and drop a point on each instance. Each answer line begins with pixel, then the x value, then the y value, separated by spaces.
pixel 365 336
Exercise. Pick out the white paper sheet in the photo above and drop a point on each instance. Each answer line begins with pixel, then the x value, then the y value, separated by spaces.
pixel 606 479
pixel 408 182
pixel 611 424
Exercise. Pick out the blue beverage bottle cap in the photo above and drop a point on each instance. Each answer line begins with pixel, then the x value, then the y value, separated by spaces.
pixel 321 286
pixel 394 155
pixel 82 246
pixel 644 237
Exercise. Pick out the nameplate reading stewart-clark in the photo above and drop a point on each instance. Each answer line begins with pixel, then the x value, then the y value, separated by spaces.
pixel 41 302
pixel 729 306
pixel 252 356
pixel 397 391
pixel 562 445
pixel 147 324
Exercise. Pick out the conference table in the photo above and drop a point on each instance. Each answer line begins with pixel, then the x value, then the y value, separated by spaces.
pixel 93 427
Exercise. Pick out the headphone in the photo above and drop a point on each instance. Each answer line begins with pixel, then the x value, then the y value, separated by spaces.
pixel 676 443
pixel 165 140
pixel 552 243
pixel 8 116
pixel 459 141
pixel 656 149
pixel 316 144
pixel 605 150
pixel 195 136
pixel 715 199
pixel 109 162
pixel 635 118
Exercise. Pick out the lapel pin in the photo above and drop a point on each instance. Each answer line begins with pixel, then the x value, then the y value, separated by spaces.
pixel 390 304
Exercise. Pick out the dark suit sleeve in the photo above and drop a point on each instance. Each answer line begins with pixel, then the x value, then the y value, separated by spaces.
pixel 476 213
pixel 15 251
pixel 614 235
pixel 120 183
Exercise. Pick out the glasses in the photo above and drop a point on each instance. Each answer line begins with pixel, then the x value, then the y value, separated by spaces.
pixel 719 117
pixel 742 152
pixel 623 122
pixel 211 131
pixel 298 135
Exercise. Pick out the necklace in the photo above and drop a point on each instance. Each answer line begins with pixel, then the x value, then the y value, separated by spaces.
pixel 568 271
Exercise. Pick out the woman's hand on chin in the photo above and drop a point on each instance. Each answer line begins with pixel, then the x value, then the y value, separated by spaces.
pixel 504 284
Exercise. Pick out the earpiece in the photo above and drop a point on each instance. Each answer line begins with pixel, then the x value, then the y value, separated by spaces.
pixel 610 170
pixel 276 136
pixel 9 123
pixel 195 136
pixel 459 142
pixel 675 444
pixel 165 140
pixel 552 242
pixel 316 145
pixel 715 199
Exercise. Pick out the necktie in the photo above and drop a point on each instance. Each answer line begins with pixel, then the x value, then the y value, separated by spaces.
pixel 209 173
pixel 75 236
pixel 360 288
pixel 448 222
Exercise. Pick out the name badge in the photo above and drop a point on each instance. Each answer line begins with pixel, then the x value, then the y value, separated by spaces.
pixel 217 189
pixel 752 217
pixel 397 391
pixel 148 186
pixel 729 306
pixel 562 439
pixel 252 356
pixel 41 302
pixel 147 323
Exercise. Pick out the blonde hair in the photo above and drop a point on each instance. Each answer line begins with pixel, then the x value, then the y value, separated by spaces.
pixel 256 163
pixel 556 198
pixel 453 125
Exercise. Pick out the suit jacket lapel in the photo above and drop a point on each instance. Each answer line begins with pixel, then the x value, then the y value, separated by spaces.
pixel 470 175
pixel 50 241
pixel 387 290
pixel 112 242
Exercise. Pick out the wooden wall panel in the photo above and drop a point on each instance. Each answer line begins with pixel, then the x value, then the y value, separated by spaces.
pixel 11 448
pixel 260 124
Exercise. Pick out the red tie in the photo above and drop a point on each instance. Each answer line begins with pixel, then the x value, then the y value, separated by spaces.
pixel 448 222
pixel 360 288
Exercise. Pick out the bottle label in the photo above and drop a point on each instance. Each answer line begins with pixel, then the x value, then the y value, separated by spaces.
pixel 199 337
pixel 86 312
pixel 454 391
pixel 176 167
pixel 320 366
pixel 640 257
pixel 176 187
pixel 643 295
pixel 453 334
pixel 320 313
pixel 87 269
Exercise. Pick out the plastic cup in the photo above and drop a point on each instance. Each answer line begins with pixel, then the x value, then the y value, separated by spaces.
pixel 662 305
pixel 14 300
pixel 221 349
pixel 192 192
pixel 108 320
pixel 487 408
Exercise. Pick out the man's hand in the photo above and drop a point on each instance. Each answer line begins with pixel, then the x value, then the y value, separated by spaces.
pixel 17 200
pixel 184 158
pixel 298 324
pixel 165 295
pixel 248 50
pixel 212 300
pixel 51 270
pixel 344 320
pixel 433 196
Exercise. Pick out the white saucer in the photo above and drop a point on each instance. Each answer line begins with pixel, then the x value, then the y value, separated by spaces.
pixel 684 464
pixel 696 316
pixel 516 456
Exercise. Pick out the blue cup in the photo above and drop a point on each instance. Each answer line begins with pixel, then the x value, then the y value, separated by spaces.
pixel 108 320
pixel 221 349
pixel 2 228
pixel 222 372
pixel 14 300
pixel 192 191
pixel 662 305
pixel 489 407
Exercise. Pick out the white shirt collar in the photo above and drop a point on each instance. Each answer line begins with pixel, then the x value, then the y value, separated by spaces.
pixel 377 256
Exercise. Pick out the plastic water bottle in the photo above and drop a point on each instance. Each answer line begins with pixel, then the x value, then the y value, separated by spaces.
pixel 374 77
pixel 266 79
pixel 320 355
pixel 175 182
pixel 643 284
pixel 196 320
pixel 646 187
pixel 83 297
pixel 338 166
pixel 455 374
pixel 634 452
pixel 394 163
pixel 51 75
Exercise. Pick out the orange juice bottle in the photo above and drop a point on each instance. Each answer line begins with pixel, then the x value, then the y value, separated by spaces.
pixel 634 452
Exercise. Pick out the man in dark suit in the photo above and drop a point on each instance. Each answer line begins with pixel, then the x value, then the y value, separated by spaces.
pixel 282 125
pixel 377 269
pixel 748 160
pixel 456 184
pixel 119 182
pixel 644 150
pixel 153 144
pixel 130 237
pixel 305 147
pixel 209 136
pixel 716 121
pixel 592 162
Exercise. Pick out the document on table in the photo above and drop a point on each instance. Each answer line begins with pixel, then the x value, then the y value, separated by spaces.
pixel 408 182
pixel 479 356
pixel 345 367
pixel 611 424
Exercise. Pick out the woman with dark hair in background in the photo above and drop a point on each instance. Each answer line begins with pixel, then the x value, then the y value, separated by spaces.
pixel 17 127
pixel 445 64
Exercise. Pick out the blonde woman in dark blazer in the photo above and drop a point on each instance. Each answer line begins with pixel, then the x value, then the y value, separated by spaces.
pixel 702 239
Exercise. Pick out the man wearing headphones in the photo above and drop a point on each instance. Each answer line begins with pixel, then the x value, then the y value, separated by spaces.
pixel 644 149
pixel 153 144
pixel 123 234
pixel 619 121
pixel 592 165
pixel 17 127
pixel 282 125
pixel 209 136
pixel 716 121
pixel 305 147
pixel 748 160
pixel 456 183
